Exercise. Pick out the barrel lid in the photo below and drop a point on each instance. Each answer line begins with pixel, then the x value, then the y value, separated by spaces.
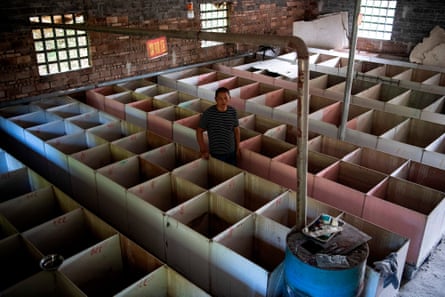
pixel 349 244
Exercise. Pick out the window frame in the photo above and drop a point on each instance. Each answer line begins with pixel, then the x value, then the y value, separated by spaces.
pixel 60 50
pixel 377 19
pixel 213 18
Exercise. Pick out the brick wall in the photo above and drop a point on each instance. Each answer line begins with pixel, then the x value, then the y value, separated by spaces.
pixel 413 21
pixel 270 17
pixel 116 56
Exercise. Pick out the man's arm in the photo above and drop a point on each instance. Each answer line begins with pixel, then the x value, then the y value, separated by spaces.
pixel 202 145
pixel 237 132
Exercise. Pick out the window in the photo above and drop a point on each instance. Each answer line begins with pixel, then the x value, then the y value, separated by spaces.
pixel 377 19
pixel 213 19
pixel 60 50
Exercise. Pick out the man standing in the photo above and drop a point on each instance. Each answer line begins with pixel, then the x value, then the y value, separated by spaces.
pixel 222 126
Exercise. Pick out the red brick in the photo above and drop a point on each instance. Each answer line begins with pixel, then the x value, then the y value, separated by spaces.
pixel 28 89
pixel 42 86
pixel 23 59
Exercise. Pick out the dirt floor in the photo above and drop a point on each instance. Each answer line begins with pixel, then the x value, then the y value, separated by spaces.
pixel 429 279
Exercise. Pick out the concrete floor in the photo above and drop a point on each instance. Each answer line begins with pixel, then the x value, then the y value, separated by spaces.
pixel 429 279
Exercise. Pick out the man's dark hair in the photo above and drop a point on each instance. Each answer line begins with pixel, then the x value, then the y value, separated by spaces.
pixel 221 90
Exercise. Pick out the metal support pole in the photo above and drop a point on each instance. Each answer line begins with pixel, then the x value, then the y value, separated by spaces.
pixel 350 73
pixel 302 141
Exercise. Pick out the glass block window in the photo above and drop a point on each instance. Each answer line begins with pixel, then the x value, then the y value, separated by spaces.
pixel 377 19
pixel 214 18
pixel 60 50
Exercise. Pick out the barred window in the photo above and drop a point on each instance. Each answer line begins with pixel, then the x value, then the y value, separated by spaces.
pixel 214 18
pixel 377 19
pixel 60 50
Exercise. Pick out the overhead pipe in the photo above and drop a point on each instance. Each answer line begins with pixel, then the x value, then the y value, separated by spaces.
pixel 288 42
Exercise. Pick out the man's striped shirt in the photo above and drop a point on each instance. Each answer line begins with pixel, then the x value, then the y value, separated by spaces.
pixel 220 129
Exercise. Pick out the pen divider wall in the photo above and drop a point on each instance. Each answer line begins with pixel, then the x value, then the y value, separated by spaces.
pixel 14 111
pixel 254 244
pixel 191 84
pixel 83 166
pixel 258 151
pixel 114 104
pixel 331 146
pixel 141 142
pixel 6 228
pixel 109 266
pixel 435 112
pixel 50 102
pixel 175 97
pixel 137 112
pixel 20 182
pixel 408 138
pixel 411 103
pixel 96 97
pixel 8 163
pixel 114 130
pixel 91 119
pixel 282 209
pixel 232 83
pixel 366 128
pixel 164 282
pixel 248 190
pixel 327 120
pixel 433 155
pixel 70 110
pixel 45 284
pixel 114 180
pixel 161 121
pixel 376 160
pixel 283 168
pixel 18 124
pixel 171 155
pixel 411 210
pixel 36 207
pixel 422 174
pixel 258 123
pixel 206 173
pixel 284 132
pixel 198 105
pixel 190 228
pixel 170 79
pixel 68 234
pixel 136 84
pixel 16 251
pixel 345 185
pixel 264 104
pixel 154 90
pixel 147 204
pixel 242 94
pixel 184 131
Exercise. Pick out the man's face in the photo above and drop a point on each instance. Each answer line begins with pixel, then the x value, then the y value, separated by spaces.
pixel 222 100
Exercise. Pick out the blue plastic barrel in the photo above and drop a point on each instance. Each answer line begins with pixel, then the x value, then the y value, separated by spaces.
pixel 303 279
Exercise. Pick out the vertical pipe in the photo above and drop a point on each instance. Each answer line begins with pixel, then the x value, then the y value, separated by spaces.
pixel 350 72
pixel 302 141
